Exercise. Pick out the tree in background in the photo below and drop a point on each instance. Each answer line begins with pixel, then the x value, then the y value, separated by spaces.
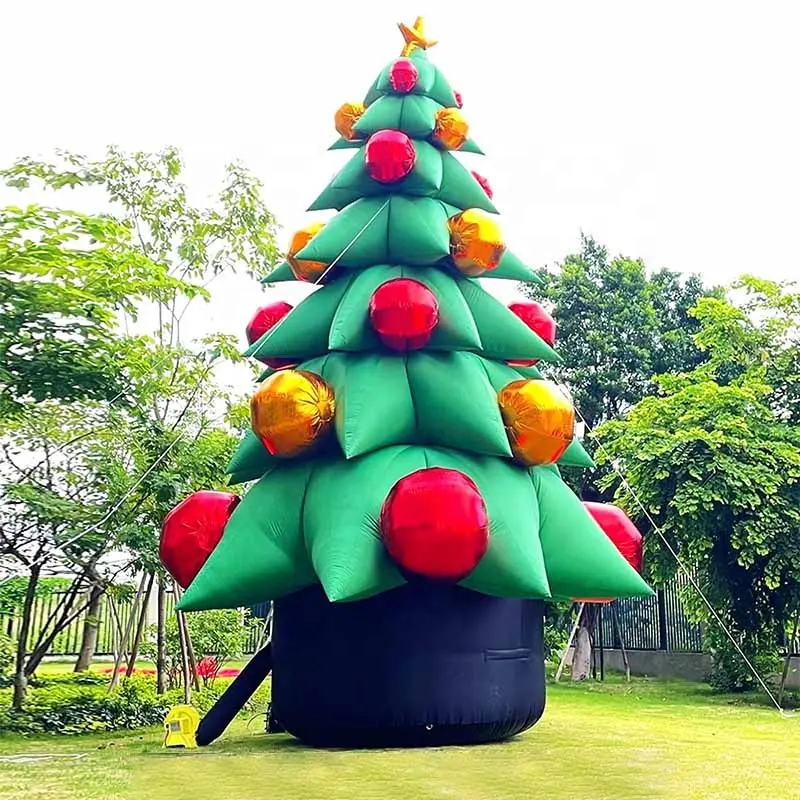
pixel 715 459
pixel 62 466
pixel 65 278
pixel 617 327
pixel 78 283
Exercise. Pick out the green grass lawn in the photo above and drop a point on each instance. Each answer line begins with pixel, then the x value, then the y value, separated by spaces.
pixel 645 740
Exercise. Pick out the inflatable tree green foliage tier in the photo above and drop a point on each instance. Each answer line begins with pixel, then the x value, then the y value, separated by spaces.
pixel 401 440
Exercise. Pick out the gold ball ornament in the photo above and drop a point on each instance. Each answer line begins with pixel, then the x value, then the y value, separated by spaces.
pixel 292 411
pixel 476 242
pixel 309 271
pixel 451 129
pixel 539 420
pixel 346 117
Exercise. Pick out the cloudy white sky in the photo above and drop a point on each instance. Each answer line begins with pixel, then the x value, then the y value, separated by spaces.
pixel 667 130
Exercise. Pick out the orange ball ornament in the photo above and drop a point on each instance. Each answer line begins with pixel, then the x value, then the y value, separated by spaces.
pixel 451 129
pixel 346 117
pixel 292 411
pixel 309 271
pixel 539 420
pixel 476 242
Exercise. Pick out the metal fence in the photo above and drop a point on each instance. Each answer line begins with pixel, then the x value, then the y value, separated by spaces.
pixel 68 642
pixel 654 623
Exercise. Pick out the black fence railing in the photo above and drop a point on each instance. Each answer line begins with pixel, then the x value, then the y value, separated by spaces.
pixel 653 623
pixel 68 641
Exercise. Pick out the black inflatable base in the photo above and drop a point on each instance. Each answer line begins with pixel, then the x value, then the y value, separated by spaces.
pixel 424 665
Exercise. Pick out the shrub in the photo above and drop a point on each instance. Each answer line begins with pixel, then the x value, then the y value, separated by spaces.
pixel 730 673
pixel 217 636
pixel 68 707
pixel 557 622
pixel 70 679
pixel 71 704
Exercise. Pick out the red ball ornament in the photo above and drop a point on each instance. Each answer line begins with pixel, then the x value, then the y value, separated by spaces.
pixel 192 530
pixel 434 523
pixel 404 313
pixel 484 184
pixel 266 318
pixel 403 75
pixel 389 156
pixel 620 529
pixel 539 321
pixel 459 101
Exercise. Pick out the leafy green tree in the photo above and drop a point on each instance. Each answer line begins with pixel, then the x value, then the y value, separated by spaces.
pixel 64 279
pixel 715 459
pixel 163 386
pixel 617 328
pixel 62 466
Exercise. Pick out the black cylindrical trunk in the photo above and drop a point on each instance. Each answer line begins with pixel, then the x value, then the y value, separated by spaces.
pixel 422 665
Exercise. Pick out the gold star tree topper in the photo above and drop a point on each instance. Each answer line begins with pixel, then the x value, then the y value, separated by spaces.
pixel 415 37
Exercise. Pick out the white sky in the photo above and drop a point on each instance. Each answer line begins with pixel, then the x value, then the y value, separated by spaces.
pixel 667 130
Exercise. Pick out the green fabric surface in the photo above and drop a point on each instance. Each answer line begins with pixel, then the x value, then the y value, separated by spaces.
pixel 459 188
pixel 529 372
pixel 511 268
pixel 581 560
pixel 421 401
pixel 283 272
pixel 250 458
pixel 376 230
pixel 576 456
pixel 503 334
pixel 346 144
pixel 441 91
pixel 262 553
pixel 498 373
pixel 413 114
pixel 376 407
pixel 303 332
pixel 341 524
pixel 470 146
pixel 455 403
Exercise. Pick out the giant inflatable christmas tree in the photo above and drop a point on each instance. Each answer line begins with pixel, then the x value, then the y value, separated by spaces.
pixel 408 517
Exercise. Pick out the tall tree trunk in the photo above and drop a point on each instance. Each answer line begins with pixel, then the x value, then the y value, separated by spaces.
pixel 189 645
pixel 192 658
pixel 20 678
pixel 137 638
pixel 187 689
pixel 91 624
pixel 161 637
pixel 126 634
pixel 584 642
